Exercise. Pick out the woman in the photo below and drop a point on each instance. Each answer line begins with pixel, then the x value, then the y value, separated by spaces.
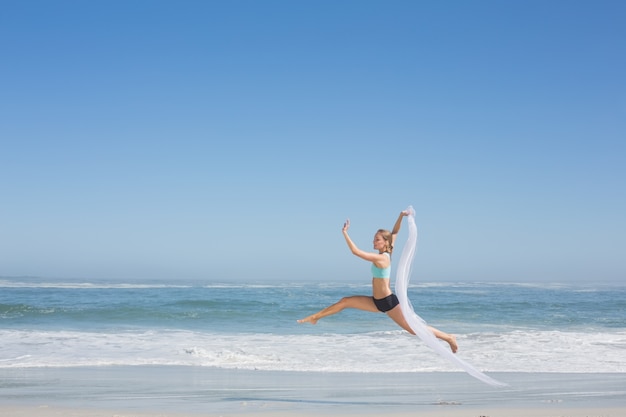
pixel 383 299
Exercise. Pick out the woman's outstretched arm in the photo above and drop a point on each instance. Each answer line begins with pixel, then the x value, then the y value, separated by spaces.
pixel 368 256
pixel 396 227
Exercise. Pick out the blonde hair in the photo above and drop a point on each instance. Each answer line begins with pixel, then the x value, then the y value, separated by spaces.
pixel 386 235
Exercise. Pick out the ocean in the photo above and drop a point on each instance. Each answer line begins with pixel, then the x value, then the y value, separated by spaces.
pixel 500 327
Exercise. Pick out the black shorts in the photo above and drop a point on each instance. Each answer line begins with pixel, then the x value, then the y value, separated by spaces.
pixel 387 303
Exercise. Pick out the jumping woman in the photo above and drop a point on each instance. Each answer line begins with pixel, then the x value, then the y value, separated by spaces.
pixel 383 299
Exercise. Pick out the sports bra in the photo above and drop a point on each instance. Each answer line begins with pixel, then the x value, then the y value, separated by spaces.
pixel 381 272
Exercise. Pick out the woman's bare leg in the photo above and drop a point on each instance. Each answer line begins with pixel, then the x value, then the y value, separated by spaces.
pixel 396 315
pixel 450 338
pixel 360 302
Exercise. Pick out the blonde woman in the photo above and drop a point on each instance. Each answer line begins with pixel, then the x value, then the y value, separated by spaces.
pixel 382 299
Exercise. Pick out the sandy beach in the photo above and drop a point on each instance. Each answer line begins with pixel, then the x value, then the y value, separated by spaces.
pixel 47 411
pixel 157 391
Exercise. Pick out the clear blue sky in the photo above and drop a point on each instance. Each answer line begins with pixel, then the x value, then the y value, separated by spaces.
pixel 229 140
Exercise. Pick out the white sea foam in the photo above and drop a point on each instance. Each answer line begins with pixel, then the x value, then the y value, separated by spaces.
pixel 37 284
pixel 394 351
pixel 84 285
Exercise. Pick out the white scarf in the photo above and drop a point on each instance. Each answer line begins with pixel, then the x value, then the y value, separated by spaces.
pixel 416 322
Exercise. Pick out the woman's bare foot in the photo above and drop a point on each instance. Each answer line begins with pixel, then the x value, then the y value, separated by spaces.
pixel 452 342
pixel 446 337
pixel 310 319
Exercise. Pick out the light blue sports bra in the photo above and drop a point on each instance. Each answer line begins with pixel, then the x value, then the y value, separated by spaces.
pixel 381 272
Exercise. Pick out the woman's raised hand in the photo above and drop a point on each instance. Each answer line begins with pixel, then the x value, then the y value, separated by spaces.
pixel 346 225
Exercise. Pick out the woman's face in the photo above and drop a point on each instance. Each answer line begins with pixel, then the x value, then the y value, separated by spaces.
pixel 379 243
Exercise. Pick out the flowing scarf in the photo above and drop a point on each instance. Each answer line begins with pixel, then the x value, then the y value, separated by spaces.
pixel 418 324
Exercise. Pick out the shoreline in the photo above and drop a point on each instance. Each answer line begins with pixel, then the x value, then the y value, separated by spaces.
pixel 193 391
pixel 54 411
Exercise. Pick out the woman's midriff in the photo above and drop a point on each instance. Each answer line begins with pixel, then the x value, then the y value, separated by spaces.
pixel 380 287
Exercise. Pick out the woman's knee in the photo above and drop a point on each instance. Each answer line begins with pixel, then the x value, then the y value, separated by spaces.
pixel 360 302
pixel 349 302
pixel 345 301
